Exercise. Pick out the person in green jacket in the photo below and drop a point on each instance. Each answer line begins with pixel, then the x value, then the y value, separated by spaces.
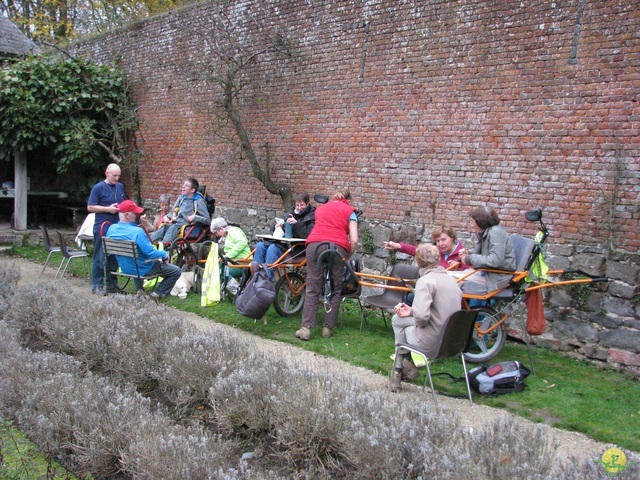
pixel 236 246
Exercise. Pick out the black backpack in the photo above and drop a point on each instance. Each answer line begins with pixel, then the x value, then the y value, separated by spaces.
pixel 499 378
pixel 211 202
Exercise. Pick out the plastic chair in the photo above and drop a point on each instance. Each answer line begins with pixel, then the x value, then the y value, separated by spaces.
pixel 455 340
pixel 49 247
pixel 390 297
pixel 68 255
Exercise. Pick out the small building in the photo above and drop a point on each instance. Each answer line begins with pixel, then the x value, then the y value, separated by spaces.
pixel 13 42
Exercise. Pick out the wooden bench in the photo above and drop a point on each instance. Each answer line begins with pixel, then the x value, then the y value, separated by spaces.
pixel 126 248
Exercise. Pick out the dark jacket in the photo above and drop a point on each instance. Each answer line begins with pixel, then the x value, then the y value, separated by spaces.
pixel 306 219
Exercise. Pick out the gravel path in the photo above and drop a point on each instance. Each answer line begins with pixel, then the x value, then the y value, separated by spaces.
pixel 571 443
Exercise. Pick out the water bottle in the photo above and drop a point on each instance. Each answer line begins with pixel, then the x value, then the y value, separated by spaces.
pixel 288 230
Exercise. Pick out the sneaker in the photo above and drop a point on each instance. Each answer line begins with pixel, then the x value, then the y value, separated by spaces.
pixel 409 371
pixel 304 333
pixel 395 381
pixel 98 291
pixel 326 332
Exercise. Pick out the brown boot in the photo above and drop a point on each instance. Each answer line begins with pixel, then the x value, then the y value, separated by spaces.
pixel 304 333
pixel 409 371
pixel 395 381
pixel 326 332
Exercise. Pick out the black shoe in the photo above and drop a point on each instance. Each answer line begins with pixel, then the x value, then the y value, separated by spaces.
pixel 113 290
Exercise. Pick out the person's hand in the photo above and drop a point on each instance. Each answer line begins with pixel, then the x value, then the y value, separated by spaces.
pixel 190 218
pixel 291 220
pixel 113 208
pixel 402 310
pixel 391 245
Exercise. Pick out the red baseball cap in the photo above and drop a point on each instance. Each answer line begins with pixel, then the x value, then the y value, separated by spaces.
pixel 129 206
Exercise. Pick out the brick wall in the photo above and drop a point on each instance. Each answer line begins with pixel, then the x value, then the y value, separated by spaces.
pixel 423 109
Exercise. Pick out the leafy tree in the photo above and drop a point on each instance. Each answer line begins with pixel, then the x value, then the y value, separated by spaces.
pixel 76 109
pixel 58 20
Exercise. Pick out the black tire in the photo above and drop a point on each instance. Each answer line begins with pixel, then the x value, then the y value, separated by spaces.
pixel 483 349
pixel 288 303
pixel 182 255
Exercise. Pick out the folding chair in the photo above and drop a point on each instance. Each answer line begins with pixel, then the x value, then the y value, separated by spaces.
pixel 49 247
pixel 455 340
pixel 126 248
pixel 68 255
pixel 390 297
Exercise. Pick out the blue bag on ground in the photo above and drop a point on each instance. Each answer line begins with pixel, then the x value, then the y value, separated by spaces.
pixel 258 294
pixel 499 378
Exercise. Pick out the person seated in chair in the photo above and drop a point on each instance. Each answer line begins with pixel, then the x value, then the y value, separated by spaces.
pixel 236 246
pixel 128 229
pixel 437 297
pixel 445 239
pixel 494 250
pixel 300 222
pixel 158 220
pixel 189 209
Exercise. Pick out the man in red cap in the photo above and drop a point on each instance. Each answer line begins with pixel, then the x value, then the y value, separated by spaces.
pixel 128 229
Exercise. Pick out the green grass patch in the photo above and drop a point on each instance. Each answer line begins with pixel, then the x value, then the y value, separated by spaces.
pixel 80 267
pixel 20 458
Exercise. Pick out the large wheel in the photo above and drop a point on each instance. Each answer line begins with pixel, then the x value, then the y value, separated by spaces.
pixel 289 294
pixel 484 348
pixel 182 255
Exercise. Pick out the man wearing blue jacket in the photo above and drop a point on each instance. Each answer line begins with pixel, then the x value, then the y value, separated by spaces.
pixel 128 229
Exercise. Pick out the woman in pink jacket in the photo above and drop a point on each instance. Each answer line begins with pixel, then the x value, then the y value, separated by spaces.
pixel 445 239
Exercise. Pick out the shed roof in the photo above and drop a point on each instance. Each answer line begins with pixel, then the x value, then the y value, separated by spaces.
pixel 13 41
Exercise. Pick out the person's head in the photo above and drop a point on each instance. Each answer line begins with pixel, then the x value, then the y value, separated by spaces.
pixel 427 255
pixel 164 202
pixel 219 227
pixel 344 194
pixel 484 217
pixel 128 211
pixel 112 174
pixel 445 238
pixel 301 200
pixel 190 187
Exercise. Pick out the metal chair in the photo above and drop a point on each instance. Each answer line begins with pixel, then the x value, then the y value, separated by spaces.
pixel 68 255
pixel 49 247
pixel 127 248
pixel 455 340
pixel 390 297
pixel 352 290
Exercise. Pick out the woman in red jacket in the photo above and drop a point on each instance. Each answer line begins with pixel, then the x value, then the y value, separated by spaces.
pixel 336 223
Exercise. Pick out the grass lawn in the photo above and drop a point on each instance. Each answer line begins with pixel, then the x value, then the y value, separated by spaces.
pixel 19 458
pixel 567 393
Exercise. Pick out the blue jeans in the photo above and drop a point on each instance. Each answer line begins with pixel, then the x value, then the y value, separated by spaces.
pixel 268 254
pixel 97 268
pixel 166 233
pixel 170 275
